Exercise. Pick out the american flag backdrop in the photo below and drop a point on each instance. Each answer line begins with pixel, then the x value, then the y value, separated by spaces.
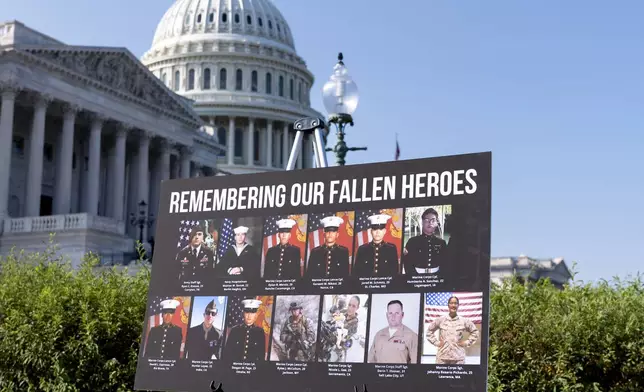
pixel 393 232
pixel 184 232
pixel 180 317
pixel 298 238
pixel 264 314
pixel 470 305
pixel 226 237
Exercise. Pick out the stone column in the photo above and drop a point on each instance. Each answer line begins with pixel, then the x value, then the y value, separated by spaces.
pixel 286 145
pixel 94 165
pixel 63 192
pixel 251 142
pixel 143 176
pixel 186 156
pixel 36 146
pixel 231 141
pixel 118 172
pixel 165 160
pixel 9 92
pixel 269 143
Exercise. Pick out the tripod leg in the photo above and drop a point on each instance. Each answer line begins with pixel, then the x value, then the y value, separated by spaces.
pixel 295 151
pixel 320 154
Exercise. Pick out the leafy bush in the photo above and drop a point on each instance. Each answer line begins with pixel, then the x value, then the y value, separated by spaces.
pixel 582 338
pixel 79 330
pixel 68 330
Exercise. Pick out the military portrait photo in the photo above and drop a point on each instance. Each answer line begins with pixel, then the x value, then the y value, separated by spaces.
pixel 330 244
pixel 393 328
pixel 167 325
pixel 426 239
pixel 295 328
pixel 196 249
pixel 239 250
pixel 343 328
pixel 284 246
pixel 248 326
pixel 452 328
pixel 378 242
pixel 205 336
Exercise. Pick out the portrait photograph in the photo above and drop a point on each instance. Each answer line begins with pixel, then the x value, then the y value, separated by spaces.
pixel 205 335
pixel 343 328
pixel 295 328
pixel 393 328
pixel 196 249
pixel 284 246
pixel 330 244
pixel 248 327
pixel 239 249
pixel 167 327
pixel 452 328
pixel 378 242
pixel 425 240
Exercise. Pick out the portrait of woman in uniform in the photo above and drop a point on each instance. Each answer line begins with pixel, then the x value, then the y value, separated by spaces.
pixel 452 328
pixel 284 246
pixel 239 248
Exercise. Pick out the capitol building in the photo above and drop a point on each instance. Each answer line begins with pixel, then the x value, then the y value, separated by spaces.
pixel 88 133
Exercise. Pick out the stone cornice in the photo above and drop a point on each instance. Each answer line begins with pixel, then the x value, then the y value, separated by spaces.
pixel 240 57
pixel 115 71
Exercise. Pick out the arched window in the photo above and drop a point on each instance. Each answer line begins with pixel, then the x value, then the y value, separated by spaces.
pixel 191 79
pixel 239 143
pixel 239 78
pixel 177 80
pixel 199 18
pixel 253 81
pixel 222 79
pixel 269 83
pixel 249 20
pixel 236 18
pixel 281 86
pixel 224 17
pixel 206 79
pixel 291 90
pixel 211 17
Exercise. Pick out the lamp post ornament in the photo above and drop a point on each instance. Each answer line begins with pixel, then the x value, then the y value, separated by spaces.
pixel 340 97
pixel 142 220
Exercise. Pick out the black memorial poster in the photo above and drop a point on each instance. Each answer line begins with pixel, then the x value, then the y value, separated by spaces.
pixel 322 279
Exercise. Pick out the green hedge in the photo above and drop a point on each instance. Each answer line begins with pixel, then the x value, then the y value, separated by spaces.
pixel 79 330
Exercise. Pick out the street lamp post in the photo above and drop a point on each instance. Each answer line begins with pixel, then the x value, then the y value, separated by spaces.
pixel 142 220
pixel 340 97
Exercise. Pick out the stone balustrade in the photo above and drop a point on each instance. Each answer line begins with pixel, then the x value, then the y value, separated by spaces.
pixel 58 223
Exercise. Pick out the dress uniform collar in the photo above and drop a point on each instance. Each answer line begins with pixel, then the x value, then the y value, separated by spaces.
pixel 331 247
pixel 285 245
pixel 378 245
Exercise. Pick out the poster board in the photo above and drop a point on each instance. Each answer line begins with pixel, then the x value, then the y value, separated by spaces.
pixel 322 279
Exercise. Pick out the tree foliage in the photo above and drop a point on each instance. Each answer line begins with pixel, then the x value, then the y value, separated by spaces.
pixel 79 330
pixel 586 337
pixel 64 329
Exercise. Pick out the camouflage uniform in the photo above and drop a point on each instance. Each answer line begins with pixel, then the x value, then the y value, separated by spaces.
pixel 451 331
pixel 298 338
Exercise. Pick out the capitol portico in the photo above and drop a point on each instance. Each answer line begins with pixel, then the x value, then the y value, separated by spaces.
pixel 87 133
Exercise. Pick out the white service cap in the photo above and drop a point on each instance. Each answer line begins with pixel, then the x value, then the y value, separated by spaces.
pixel 170 304
pixel 332 221
pixel 241 230
pixel 379 219
pixel 286 223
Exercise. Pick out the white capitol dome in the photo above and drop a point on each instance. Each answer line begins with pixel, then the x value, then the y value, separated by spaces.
pixel 236 60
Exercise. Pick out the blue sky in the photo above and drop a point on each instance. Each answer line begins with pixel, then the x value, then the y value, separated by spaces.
pixel 555 89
